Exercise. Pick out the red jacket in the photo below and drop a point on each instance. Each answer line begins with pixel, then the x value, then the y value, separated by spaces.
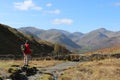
pixel 27 49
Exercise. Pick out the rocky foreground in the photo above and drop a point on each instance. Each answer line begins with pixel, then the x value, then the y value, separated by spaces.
pixel 33 73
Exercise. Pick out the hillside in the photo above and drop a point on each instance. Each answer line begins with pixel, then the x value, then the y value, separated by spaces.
pixel 108 51
pixel 52 35
pixel 77 41
pixel 102 64
pixel 107 69
pixel 11 40
pixel 99 39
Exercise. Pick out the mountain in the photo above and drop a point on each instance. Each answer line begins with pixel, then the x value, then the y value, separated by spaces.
pixel 100 38
pixel 11 40
pixel 94 40
pixel 62 39
pixel 60 31
pixel 52 35
pixel 31 31
pixel 75 36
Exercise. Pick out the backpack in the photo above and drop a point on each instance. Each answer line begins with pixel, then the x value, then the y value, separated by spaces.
pixel 23 48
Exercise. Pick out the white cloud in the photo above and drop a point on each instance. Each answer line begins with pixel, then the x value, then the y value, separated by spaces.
pixel 57 11
pixel 116 4
pixel 26 5
pixel 36 8
pixel 62 21
pixel 49 4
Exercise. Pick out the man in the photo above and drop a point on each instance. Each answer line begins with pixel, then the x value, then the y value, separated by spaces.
pixel 26 52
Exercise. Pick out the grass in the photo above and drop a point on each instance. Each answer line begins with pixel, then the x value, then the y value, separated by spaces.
pixel 5 65
pixel 46 77
pixel 111 50
pixel 108 69
pixel 45 63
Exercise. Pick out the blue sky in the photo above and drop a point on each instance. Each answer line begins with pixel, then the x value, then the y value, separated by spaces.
pixel 71 15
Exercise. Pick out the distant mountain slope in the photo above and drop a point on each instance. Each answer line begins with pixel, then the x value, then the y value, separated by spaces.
pixel 62 39
pixel 100 38
pixel 52 35
pixel 94 40
pixel 60 31
pixel 75 36
pixel 11 40
pixel 32 31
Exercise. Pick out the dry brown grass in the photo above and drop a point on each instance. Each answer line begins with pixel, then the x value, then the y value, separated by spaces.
pixel 108 69
pixel 45 63
pixel 111 50
pixel 5 64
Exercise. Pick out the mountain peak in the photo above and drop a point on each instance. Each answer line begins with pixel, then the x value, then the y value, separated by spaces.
pixel 29 27
pixel 101 29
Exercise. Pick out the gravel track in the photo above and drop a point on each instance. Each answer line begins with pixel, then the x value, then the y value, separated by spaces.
pixel 54 70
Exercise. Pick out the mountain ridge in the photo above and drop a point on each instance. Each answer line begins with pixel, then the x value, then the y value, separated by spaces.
pixel 52 35
pixel 12 39
pixel 96 39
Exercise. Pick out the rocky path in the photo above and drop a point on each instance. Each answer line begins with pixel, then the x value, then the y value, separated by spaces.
pixel 33 73
pixel 54 70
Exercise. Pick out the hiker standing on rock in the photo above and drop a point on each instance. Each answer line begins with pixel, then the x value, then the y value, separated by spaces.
pixel 26 52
